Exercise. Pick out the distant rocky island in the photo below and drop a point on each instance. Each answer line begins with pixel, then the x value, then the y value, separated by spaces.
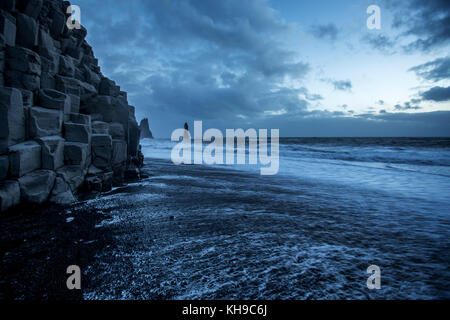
pixel 146 133
pixel 65 127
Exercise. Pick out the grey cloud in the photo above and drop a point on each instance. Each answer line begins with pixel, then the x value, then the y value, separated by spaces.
pixel 432 118
pixel 308 95
pixel 213 60
pixel 385 124
pixel 406 106
pixel 325 31
pixel 380 42
pixel 436 70
pixel 417 26
pixel 428 21
pixel 343 85
pixel 438 94
pixel 209 59
pixel 313 97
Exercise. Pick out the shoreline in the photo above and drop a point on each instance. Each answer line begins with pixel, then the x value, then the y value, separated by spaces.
pixel 199 232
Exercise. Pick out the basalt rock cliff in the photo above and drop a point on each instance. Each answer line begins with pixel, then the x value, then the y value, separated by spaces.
pixel 64 126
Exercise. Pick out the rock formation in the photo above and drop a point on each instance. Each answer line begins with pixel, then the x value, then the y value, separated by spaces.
pixel 64 126
pixel 145 129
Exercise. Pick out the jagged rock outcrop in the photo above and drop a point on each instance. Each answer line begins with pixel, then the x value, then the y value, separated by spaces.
pixel 145 129
pixel 64 126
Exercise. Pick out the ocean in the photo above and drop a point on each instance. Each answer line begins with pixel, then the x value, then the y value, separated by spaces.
pixel 336 207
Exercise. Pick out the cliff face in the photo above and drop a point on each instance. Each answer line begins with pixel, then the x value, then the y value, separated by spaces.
pixel 145 129
pixel 63 125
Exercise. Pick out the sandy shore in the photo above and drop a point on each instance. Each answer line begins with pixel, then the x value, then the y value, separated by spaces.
pixel 38 244
pixel 195 232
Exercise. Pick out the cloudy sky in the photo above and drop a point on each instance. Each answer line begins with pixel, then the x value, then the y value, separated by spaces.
pixel 309 68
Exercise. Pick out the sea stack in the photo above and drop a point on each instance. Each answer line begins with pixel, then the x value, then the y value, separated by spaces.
pixel 65 127
pixel 145 129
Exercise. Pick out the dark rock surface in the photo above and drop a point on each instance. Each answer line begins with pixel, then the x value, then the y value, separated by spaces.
pixel 145 129
pixel 60 114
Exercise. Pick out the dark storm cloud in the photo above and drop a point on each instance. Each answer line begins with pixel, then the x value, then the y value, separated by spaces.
pixel 222 62
pixel 437 94
pixel 384 124
pixel 201 58
pixel 427 21
pixel 438 118
pixel 325 31
pixel 197 97
pixel 418 25
pixel 435 70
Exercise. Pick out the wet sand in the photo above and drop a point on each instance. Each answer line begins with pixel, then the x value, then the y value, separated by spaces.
pixel 37 244
pixel 196 232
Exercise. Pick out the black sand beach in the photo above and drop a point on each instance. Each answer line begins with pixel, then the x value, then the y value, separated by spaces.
pixel 190 232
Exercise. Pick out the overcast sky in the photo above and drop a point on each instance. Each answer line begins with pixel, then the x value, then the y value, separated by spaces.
pixel 309 68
